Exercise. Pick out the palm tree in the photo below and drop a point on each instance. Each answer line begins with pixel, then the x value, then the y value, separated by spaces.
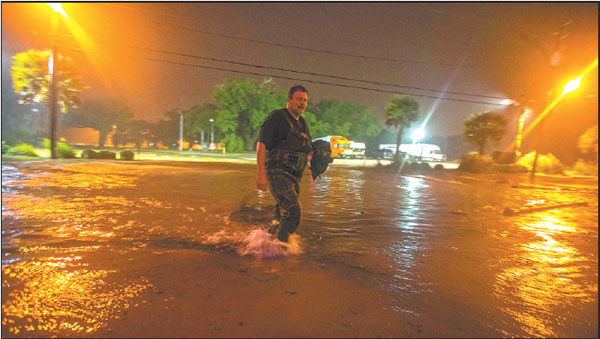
pixel 480 127
pixel 400 112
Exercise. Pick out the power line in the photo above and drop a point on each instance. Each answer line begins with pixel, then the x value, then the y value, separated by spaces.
pixel 307 73
pixel 318 50
pixel 315 74
pixel 296 79
pixel 286 45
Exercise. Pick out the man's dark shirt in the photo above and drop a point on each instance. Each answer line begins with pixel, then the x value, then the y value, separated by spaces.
pixel 276 128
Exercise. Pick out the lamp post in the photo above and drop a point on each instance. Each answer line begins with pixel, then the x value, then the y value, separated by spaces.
pixel 212 131
pixel 52 69
pixel 180 130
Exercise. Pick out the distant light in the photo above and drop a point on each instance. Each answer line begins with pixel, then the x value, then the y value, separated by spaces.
pixel 418 134
pixel 57 8
pixel 507 102
pixel 571 86
pixel 211 120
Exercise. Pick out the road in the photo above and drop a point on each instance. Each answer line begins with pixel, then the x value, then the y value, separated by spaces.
pixel 178 249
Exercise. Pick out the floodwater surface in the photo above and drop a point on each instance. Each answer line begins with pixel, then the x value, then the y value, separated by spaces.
pixel 109 249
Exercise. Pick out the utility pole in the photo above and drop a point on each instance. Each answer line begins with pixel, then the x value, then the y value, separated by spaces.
pixel 53 104
pixel 212 130
pixel 555 61
pixel 180 130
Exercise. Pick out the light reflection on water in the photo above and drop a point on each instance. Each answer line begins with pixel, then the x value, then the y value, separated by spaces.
pixel 395 234
pixel 62 293
pixel 547 277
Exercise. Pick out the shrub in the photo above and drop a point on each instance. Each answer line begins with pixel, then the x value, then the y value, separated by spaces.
pixel 547 163
pixel 107 155
pixel 233 143
pixel 585 168
pixel 475 163
pixel 126 155
pixel 5 146
pixel 64 150
pixel 89 154
pixel 22 149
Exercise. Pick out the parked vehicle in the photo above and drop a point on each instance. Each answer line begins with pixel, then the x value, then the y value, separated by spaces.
pixel 380 154
pixel 425 152
pixel 358 149
pixel 340 146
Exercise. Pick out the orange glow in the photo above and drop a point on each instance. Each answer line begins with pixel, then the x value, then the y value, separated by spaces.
pixel 555 102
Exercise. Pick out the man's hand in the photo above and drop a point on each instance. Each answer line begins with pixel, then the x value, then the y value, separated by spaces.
pixel 261 182
pixel 261 176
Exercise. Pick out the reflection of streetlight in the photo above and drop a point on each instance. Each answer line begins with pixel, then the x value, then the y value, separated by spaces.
pixel 212 130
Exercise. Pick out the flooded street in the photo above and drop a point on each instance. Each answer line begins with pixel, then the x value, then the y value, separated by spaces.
pixel 157 249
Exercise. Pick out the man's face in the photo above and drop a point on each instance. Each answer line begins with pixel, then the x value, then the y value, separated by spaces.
pixel 297 104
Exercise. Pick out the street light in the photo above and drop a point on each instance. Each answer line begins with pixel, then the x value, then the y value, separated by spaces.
pixel 417 135
pixel 572 86
pixel 56 7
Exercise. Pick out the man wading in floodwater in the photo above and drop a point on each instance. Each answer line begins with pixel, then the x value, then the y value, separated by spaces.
pixel 282 151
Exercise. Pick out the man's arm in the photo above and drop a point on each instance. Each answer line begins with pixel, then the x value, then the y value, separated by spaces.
pixel 261 175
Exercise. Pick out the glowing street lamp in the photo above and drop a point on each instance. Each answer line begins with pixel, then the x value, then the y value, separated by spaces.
pixel 57 7
pixel 418 134
pixel 571 86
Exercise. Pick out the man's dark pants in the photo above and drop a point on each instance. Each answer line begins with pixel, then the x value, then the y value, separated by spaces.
pixel 285 188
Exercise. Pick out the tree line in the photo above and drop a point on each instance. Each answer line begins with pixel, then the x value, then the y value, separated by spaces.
pixel 241 106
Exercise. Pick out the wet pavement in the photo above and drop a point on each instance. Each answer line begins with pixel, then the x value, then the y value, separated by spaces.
pixel 178 249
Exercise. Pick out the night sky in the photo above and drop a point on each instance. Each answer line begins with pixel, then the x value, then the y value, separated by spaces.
pixel 489 50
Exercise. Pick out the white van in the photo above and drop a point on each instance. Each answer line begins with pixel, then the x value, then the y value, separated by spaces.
pixel 425 152
pixel 358 149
